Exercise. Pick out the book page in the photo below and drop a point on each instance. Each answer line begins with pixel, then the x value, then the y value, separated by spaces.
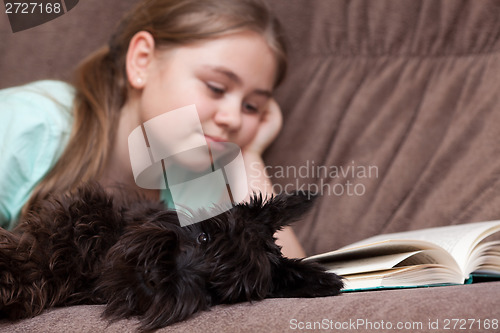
pixel 376 249
pixel 385 262
pixel 458 240
pixel 367 264
pixel 411 276
pixel 485 257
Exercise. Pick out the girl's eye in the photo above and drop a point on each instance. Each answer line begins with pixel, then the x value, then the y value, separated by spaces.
pixel 250 108
pixel 216 89
pixel 202 238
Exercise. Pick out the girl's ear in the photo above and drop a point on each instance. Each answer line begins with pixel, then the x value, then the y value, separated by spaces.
pixel 139 57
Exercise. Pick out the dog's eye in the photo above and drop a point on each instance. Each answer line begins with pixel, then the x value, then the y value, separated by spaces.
pixel 202 238
pixel 146 278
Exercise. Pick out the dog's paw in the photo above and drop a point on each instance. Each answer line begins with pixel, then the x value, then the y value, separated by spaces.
pixel 296 278
pixel 325 284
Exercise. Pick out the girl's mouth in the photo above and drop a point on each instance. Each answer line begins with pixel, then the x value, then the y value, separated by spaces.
pixel 220 147
pixel 214 139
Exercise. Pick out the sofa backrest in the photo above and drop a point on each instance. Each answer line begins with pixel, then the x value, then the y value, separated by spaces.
pixel 53 49
pixel 409 88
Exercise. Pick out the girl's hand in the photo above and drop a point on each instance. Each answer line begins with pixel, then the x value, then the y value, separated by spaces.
pixel 269 127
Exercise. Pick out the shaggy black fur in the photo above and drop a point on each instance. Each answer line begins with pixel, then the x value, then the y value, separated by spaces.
pixel 134 257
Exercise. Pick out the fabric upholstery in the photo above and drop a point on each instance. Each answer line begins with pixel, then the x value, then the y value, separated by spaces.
pixel 409 87
pixel 408 307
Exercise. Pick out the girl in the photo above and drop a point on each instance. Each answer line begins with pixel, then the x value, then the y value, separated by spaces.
pixel 224 56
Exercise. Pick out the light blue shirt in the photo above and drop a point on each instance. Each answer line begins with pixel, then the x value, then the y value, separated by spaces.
pixel 35 125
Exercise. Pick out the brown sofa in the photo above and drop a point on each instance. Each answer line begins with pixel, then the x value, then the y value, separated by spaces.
pixel 409 88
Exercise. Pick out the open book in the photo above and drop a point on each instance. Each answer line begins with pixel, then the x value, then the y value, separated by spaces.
pixel 435 256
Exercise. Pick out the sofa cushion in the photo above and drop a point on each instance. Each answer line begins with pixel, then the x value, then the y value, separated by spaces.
pixel 354 311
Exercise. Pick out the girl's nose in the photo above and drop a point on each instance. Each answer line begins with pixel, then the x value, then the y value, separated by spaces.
pixel 228 115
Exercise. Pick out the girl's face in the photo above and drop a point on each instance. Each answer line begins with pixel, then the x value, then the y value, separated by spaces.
pixel 229 79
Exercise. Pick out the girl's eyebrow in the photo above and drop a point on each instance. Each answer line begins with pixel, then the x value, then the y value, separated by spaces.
pixel 236 79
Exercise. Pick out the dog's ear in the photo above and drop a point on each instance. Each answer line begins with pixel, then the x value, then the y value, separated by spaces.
pixel 282 209
pixel 175 299
pixel 152 273
pixel 297 278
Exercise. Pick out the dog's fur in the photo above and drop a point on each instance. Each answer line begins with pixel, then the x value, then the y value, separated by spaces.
pixel 137 259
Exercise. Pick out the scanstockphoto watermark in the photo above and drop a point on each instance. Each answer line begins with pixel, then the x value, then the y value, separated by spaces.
pixel 356 324
pixel 336 180
pixel 429 325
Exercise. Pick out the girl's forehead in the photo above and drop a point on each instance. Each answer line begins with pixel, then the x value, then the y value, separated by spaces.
pixel 236 56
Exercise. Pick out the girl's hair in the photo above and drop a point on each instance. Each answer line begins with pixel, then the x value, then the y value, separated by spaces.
pixel 101 81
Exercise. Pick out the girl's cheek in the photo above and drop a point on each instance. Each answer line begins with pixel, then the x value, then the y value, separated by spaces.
pixel 249 131
pixel 253 122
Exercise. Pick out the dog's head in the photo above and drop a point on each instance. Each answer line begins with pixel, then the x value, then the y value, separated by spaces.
pixel 164 273
pixel 239 246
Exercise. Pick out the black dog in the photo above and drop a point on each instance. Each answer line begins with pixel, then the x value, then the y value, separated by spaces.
pixel 137 259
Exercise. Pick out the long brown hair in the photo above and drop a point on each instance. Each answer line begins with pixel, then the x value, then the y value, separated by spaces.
pixel 101 81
